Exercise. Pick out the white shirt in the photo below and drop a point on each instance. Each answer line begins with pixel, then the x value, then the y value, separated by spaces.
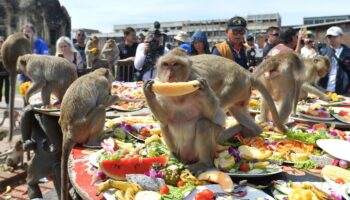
pixel 308 52
pixel 140 59
pixel 333 71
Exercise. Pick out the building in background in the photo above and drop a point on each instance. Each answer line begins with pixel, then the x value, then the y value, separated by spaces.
pixel 325 19
pixel 258 24
pixel 50 19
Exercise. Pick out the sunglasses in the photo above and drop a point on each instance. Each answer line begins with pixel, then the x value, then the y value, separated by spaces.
pixel 276 34
pixel 236 32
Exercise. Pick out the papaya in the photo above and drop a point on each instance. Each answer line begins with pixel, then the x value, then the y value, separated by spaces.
pixel 219 177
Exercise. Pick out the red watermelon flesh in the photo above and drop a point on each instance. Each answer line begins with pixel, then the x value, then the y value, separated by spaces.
pixel 117 169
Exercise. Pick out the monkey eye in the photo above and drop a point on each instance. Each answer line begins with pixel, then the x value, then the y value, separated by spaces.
pixel 315 60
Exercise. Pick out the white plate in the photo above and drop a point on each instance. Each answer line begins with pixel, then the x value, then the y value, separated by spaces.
pixel 316 118
pixel 338 117
pixel 247 175
pixel 337 148
pixel 252 193
pixel 125 110
pixel 35 99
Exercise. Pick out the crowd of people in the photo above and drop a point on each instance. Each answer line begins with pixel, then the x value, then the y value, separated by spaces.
pixel 246 50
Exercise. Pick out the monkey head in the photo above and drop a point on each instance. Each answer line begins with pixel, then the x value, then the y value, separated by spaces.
pixel 19 145
pixel 110 49
pixel 322 65
pixel 92 43
pixel 22 64
pixel 175 66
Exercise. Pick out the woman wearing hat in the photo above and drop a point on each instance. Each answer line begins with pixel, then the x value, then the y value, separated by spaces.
pixel 199 43
pixel 182 40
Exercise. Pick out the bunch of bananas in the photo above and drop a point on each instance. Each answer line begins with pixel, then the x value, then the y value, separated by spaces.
pixel 125 190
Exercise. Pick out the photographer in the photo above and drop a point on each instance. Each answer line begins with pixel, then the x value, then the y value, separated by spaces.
pixel 147 54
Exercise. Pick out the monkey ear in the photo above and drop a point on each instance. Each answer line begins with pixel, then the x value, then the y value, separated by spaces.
pixel 106 73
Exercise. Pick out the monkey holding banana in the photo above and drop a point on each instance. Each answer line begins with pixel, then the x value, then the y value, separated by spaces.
pixel 190 124
pixel 51 74
pixel 83 112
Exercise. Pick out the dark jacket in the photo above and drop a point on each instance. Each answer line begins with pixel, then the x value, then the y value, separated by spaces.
pixel 342 83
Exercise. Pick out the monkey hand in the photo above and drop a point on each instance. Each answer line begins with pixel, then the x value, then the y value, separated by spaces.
pixel 147 88
pixel 203 84
pixel 29 145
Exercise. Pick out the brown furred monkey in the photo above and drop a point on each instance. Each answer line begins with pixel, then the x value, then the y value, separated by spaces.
pixel 110 52
pixel 233 84
pixel 315 69
pixel 14 46
pixel 283 76
pixel 83 114
pixel 190 124
pixel 51 74
pixel 91 51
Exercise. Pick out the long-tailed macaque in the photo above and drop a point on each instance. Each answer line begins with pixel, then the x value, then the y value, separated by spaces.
pixel 91 51
pixel 14 156
pixel 110 52
pixel 14 46
pixel 192 123
pixel 283 76
pixel 83 112
pixel 233 84
pixel 51 74
pixel 315 69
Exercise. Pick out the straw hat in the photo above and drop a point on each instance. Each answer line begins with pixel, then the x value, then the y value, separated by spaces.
pixel 182 36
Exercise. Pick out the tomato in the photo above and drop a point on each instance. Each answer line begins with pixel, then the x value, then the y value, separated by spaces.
pixel 200 196
pixel 208 194
pixel 339 181
pixel 244 167
pixel 180 183
pixel 164 189
pixel 343 113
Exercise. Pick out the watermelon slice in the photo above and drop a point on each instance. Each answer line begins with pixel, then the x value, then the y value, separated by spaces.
pixel 118 169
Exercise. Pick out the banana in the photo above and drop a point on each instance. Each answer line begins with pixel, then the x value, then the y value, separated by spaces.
pixel 103 187
pixel 119 194
pixel 121 185
pixel 129 194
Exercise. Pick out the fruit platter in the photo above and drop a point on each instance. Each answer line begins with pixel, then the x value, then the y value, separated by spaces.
pixel 341 113
pixel 128 106
pixel 128 90
pixel 315 111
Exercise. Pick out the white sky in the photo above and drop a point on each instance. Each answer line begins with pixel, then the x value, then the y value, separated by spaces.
pixel 103 14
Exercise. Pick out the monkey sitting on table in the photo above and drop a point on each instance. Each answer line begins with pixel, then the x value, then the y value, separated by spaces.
pixel 192 123
pixel 83 113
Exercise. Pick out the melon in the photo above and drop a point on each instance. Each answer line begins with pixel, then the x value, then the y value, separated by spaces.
pixel 219 177
pixel 175 88
pixel 118 169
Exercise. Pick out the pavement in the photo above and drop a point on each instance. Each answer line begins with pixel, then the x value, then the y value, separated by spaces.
pixel 16 179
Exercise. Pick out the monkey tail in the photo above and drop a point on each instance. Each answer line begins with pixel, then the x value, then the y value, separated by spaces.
pixel 12 102
pixel 67 147
pixel 262 89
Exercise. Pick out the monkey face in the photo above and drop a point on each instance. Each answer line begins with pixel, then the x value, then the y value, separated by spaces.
pixel 173 71
pixel 322 65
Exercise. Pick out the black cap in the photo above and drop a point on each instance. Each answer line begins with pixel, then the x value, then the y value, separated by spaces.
pixel 237 23
pixel 250 38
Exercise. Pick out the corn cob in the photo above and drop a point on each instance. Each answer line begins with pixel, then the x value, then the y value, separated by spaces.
pixel 334 172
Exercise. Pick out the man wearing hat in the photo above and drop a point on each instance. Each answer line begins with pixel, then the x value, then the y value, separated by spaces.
pixel 182 40
pixel 337 79
pixel 233 47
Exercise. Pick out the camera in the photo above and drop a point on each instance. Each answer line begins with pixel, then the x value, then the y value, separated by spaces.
pixel 251 57
pixel 156 40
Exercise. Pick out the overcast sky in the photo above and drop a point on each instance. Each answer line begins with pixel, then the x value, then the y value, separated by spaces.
pixel 103 14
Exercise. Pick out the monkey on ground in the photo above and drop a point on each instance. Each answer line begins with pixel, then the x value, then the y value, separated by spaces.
pixel 233 85
pixel 110 52
pixel 83 113
pixel 283 76
pixel 315 69
pixel 14 156
pixel 14 46
pixel 51 74
pixel 190 124
pixel 16 117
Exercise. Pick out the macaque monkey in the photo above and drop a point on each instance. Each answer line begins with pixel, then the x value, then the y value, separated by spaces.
pixel 232 85
pixel 110 52
pixel 192 123
pixel 16 117
pixel 91 51
pixel 14 46
pixel 51 74
pixel 83 113
pixel 14 156
pixel 315 69
pixel 283 76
